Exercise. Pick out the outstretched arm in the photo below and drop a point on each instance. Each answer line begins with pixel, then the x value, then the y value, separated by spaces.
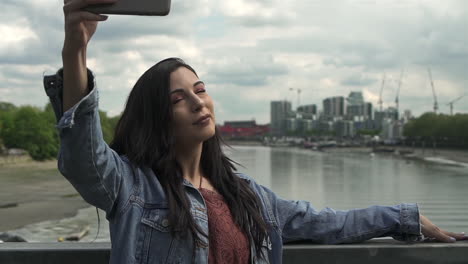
pixel 298 220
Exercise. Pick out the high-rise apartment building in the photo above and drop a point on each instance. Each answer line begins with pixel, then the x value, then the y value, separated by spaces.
pixel 359 112
pixel 357 109
pixel 279 112
pixel 391 114
pixel 355 98
pixel 308 109
pixel 334 106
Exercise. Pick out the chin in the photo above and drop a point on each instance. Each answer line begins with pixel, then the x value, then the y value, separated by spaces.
pixel 208 134
pixel 200 135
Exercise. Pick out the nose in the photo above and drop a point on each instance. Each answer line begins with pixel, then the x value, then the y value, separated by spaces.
pixel 197 103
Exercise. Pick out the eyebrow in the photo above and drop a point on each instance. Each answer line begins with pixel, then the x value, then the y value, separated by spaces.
pixel 178 90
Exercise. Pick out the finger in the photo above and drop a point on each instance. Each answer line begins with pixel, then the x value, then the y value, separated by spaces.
pixel 73 5
pixel 77 17
pixel 457 236
pixel 435 232
pixel 439 234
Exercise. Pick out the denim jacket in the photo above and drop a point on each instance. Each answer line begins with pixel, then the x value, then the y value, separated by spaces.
pixel 137 208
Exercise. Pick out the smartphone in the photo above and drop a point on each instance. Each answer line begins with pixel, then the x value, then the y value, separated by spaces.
pixel 133 7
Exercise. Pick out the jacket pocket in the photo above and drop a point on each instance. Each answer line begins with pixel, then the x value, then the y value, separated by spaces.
pixel 155 242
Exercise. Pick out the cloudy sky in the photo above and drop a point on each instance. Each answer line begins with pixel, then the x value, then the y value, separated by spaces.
pixel 250 52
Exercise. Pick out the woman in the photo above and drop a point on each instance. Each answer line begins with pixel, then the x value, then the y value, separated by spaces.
pixel 169 192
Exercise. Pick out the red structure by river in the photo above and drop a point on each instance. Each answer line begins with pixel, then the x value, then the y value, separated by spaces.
pixel 243 130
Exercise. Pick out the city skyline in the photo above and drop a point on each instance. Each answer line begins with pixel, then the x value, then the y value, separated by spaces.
pixel 346 101
pixel 340 116
pixel 252 52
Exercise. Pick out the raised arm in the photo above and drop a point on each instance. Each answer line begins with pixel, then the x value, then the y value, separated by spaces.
pixel 92 167
pixel 79 29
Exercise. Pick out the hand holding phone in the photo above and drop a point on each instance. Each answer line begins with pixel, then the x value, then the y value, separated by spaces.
pixel 80 26
pixel 133 7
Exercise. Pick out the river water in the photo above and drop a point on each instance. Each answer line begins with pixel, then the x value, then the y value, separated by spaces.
pixel 336 180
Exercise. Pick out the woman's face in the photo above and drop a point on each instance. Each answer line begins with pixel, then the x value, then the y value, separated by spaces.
pixel 193 113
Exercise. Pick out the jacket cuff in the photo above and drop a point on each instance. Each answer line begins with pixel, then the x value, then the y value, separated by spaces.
pixel 54 88
pixel 410 224
pixel 409 219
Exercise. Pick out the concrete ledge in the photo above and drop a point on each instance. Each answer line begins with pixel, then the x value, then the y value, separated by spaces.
pixel 50 253
pixel 380 251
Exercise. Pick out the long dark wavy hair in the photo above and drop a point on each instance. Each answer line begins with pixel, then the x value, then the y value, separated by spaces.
pixel 144 134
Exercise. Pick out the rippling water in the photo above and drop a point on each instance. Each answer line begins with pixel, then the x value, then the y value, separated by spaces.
pixel 337 180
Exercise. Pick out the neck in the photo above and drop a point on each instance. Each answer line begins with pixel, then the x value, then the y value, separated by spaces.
pixel 189 161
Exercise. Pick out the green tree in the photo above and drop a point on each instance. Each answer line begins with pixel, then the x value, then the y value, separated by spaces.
pixel 35 131
pixel 31 130
pixel 6 119
pixel 7 107
pixel 107 128
pixel 444 129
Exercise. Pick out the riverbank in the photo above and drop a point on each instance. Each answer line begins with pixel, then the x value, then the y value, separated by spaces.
pixel 445 156
pixel 32 192
pixel 437 155
pixel 243 143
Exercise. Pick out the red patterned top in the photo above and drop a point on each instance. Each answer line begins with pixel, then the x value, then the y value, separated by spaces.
pixel 228 244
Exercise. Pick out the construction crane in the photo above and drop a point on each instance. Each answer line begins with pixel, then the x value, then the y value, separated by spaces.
pixel 298 95
pixel 436 106
pixel 381 90
pixel 397 100
pixel 452 102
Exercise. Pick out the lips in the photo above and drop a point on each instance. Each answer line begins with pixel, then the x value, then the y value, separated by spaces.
pixel 202 119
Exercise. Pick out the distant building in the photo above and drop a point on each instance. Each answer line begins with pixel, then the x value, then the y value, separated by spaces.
pixel 355 98
pixel 392 113
pixel 368 124
pixel 392 130
pixel 243 124
pixel 292 124
pixel 368 111
pixel 243 130
pixel 279 112
pixel 357 109
pixel 334 106
pixel 359 112
pixel 305 115
pixel 344 128
pixel 387 115
pixel 306 124
pixel 407 115
pixel 379 118
pixel 325 126
pixel 307 109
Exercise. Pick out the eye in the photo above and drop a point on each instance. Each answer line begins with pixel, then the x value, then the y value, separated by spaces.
pixel 200 88
pixel 176 99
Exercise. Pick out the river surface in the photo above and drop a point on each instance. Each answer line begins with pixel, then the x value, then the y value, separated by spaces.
pixel 337 180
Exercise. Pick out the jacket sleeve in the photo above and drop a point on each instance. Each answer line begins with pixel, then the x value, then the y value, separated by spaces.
pixel 298 220
pixel 85 159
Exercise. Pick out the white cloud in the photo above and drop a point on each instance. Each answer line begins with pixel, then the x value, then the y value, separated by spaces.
pixel 15 34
